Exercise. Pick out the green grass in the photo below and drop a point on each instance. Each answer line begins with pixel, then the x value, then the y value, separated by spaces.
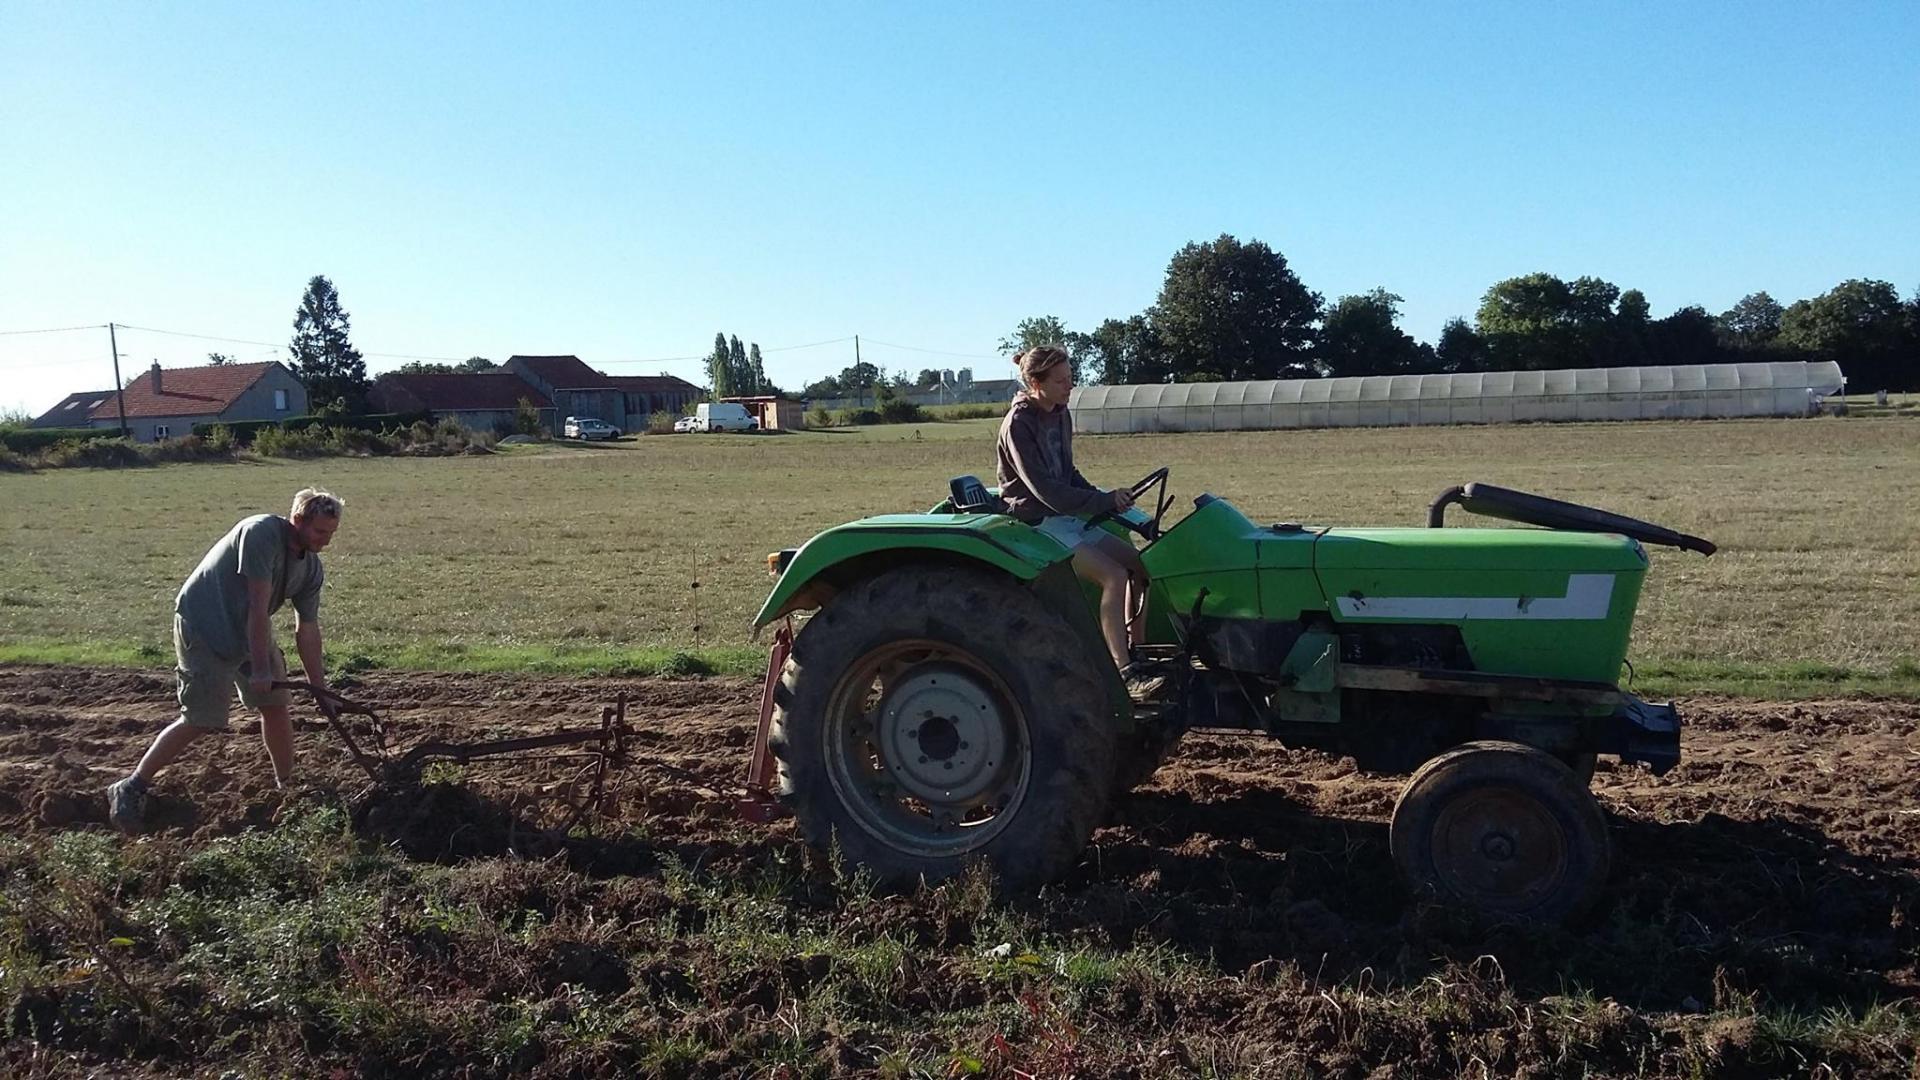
pixel 624 556
pixel 304 948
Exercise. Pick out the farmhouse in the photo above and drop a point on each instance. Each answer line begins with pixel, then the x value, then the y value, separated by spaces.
pixel 481 401
pixel 73 410
pixel 163 404
pixel 625 401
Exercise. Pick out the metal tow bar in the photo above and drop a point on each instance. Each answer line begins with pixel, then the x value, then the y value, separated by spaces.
pixel 605 744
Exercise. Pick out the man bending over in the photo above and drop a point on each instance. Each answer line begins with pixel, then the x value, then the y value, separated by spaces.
pixel 223 639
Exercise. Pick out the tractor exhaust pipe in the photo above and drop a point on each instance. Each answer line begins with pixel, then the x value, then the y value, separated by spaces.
pixel 1510 505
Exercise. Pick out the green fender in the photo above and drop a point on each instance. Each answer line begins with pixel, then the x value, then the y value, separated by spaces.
pixel 859 549
pixel 851 550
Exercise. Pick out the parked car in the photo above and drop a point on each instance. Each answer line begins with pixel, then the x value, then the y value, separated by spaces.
pixel 723 416
pixel 588 428
pixel 685 423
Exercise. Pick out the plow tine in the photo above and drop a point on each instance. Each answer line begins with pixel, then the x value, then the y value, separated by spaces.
pixel 604 745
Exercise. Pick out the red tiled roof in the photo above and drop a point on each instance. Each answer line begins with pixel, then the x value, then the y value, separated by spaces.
pixel 74 409
pixel 654 383
pixel 191 391
pixel 562 372
pixel 464 391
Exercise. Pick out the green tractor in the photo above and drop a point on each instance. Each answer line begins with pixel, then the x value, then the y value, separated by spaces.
pixel 949 699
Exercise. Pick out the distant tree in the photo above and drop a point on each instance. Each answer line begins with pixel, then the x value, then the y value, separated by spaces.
pixel 1460 349
pixel 425 367
pixel 1633 308
pixel 220 359
pixel 927 379
pixel 757 371
pixel 1688 336
pixel 720 367
pixel 1537 322
pixel 323 358
pixel 1035 330
pixel 1232 310
pixel 477 364
pixel 1752 323
pixel 526 418
pixel 1628 342
pixel 857 379
pixel 1523 322
pixel 1862 325
pixel 1123 351
pixel 1361 336
pixel 739 375
pixel 1045 330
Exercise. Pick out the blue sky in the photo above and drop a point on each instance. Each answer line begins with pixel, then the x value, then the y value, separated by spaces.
pixel 621 181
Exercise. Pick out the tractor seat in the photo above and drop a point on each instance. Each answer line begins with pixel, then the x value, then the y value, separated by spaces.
pixel 968 495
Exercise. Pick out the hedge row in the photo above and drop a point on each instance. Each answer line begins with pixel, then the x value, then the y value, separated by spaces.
pixel 25 440
pixel 244 430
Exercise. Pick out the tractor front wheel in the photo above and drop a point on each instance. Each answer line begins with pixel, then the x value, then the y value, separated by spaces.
pixel 931 716
pixel 1503 829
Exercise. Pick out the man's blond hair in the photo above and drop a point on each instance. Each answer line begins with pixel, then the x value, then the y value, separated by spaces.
pixel 315 502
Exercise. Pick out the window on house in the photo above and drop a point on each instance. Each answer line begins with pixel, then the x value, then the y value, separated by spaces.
pixel 280 401
pixel 160 432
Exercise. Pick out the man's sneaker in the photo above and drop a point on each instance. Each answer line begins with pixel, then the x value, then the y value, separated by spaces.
pixel 127 804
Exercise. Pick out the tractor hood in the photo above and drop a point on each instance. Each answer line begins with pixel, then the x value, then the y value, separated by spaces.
pixel 1475 549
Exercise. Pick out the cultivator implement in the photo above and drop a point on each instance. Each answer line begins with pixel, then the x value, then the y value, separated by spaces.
pixel 600 749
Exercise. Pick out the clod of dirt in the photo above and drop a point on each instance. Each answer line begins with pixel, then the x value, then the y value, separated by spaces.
pixel 56 809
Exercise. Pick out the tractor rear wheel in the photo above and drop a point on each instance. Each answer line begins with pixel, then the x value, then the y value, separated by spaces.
pixel 1503 829
pixel 932 716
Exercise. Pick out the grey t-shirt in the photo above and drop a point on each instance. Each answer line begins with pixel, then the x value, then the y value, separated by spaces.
pixel 213 602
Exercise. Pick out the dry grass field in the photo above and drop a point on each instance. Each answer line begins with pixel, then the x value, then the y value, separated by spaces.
pixel 567 555
pixel 1238 916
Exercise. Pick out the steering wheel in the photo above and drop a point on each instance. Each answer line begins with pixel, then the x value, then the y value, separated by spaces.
pixel 1150 530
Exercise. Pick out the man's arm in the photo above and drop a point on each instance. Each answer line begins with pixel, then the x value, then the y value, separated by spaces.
pixel 306 638
pixel 260 634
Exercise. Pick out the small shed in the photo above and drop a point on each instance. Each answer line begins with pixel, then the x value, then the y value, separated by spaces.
pixel 774 413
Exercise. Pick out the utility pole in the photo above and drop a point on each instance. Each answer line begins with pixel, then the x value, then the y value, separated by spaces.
pixel 856 362
pixel 118 391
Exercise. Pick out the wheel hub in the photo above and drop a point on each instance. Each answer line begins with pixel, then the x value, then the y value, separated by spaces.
pixel 942 738
pixel 1500 849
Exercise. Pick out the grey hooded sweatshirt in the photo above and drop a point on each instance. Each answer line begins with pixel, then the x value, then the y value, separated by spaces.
pixel 1036 473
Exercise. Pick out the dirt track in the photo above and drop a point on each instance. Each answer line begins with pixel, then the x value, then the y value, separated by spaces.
pixel 1780 859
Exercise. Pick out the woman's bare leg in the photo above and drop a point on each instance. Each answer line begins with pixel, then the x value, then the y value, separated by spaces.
pixel 1093 564
pixel 1127 557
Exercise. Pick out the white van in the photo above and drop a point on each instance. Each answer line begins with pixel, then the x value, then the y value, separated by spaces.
pixel 723 416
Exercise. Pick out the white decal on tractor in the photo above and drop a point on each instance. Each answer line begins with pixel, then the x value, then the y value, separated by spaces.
pixel 1589 596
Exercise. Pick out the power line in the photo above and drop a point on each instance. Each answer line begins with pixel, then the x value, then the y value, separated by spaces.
pixel 814 345
pixel 705 356
pixel 202 337
pixel 53 330
pixel 275 345
pixel 931 352
pixel 460 359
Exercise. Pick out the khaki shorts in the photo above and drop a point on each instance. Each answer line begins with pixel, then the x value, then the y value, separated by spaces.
pixel 208 683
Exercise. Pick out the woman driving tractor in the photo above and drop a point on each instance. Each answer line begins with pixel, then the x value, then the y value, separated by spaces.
pixel 1040 485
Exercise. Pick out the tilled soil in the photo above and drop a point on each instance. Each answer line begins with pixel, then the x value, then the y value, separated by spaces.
pixel 1778 862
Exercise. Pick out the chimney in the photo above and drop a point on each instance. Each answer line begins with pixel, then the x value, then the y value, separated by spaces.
pixel 156 376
